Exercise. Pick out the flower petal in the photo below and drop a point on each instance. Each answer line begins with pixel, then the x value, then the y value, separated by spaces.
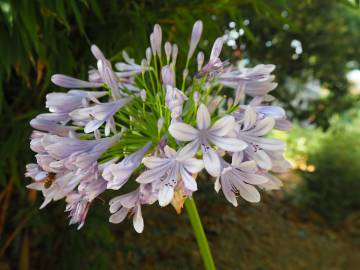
pixel 154 162
pixel 216 49
pixel 203 117
pixel 119 216
pixel 188 180
pixel 189 150
pixel 228 144
pixel 223 126
pixel 193 165
pixel 248 192
pixel 211 161
pixel 183 132
pixel 262 127
pixel 138 220
pixel 165 195
pixel 228 190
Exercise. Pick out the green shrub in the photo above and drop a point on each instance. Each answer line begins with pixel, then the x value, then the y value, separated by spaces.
pixel 333 189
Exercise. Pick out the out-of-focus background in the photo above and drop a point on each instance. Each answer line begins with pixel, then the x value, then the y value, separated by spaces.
pixel 313 223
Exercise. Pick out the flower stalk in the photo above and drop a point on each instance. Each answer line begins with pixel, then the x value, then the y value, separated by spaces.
pixel 200 236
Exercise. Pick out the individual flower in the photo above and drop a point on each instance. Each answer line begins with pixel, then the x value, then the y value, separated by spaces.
pixel 168 75
pixel 118 174
pixel 52 127
pixel 252 131
pixel 95 116
pixel 240 178
pixel 74 99
pixel 130 203
pixel 129 67
pixel 256 81
pixel 166 172
pixel 215 65
pixel 205 135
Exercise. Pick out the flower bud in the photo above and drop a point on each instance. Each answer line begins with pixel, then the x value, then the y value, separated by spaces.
pixel 195 37
pixel 167 50
pixel 168 75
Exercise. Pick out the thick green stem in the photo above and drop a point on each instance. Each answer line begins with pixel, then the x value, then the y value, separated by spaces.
pixel 199 234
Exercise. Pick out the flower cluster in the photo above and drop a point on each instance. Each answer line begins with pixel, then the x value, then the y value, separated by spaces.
pixel 140 127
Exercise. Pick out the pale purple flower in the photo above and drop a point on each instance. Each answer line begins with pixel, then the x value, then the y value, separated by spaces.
pixel 103 74
pixel 273 183
pixel 276 112
pixel 206 134
pixel 252 131
pixel 118 174
pixel 129 67
pixel 157 39
pixel 69 82
pixel 240 178
pixel 256 81
pixel 166 172
pixel 74 99
pixel 74 154
pixel 174 100
pixel 53 186
pixel 52 127
pixel 78 208
pixel 95 116
pixel 78 202
pixel 195 38
pixel 215 65
pixel 168 75
pixel 35 172
pixel 123 205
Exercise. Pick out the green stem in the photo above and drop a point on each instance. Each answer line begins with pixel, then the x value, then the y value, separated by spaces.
pixel 199 234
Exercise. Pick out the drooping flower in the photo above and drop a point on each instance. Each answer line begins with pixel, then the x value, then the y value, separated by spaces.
pixel 52 127
pixel 67 153
pixel 123 205
pixel 69 82
pixel 94 117
pixel 166 172
pixel 74 99
pixel 205 135
pixel 239 178
pixel 252 131
pixel 256 81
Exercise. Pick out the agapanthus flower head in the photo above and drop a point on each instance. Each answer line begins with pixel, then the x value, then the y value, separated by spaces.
pixel 141 127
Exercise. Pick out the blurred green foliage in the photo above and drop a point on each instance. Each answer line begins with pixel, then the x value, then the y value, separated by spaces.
pixel 333 188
